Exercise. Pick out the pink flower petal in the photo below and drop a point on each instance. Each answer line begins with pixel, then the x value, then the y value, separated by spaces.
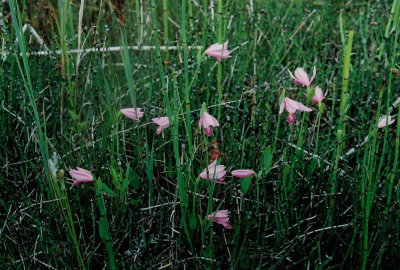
pixel 204 174
pixel 214 172
pixel 218 51
pixel 84 171
pixel 291 118
pixel 133 113
pixel 319 93
pixel 222 213
pixel 208 131
pixel 218 214
pixel 80 175
pixel 159 130
pixel 302 76
pixel 226 45
pixel 214 53
pixel 77 182
pixel 318 96
pixel 214 48
pixel 302 108
pixel 162 122
pixel 292 106
pixel 220 217
pixel 221 220
pixel 242 173
pixel 208 121
pixel 227 226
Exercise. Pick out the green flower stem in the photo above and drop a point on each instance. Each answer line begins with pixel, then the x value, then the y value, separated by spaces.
pixel 186 88
pixel 103 224
pixel 165 23
pixel 341 131
pixel 219 68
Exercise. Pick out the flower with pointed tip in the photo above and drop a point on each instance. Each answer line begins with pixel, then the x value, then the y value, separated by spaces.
pixel 162 122
pixel 221 217
pixel 219 51
pixel 133 113
pixel 291 107
pixel 301 77
pixel 385 121
pixel 80 175
pixel 214 171
pixel 208 122
pixel 318 95
pixel 242 173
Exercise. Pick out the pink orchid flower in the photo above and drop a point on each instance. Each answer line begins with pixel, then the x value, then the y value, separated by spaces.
pixel 301 77
pixel 214 171
pixel 318 95
pixel 219 51
pixel 81 175
pixel 291 107
pixel 385 121
pixel 221 217
pixel 162 122
pixel 208 122
pixel 242 173
pixel 133 113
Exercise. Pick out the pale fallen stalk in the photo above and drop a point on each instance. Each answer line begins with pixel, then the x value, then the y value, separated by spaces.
pixel 111 49
pixel 106 49
pixel 35 34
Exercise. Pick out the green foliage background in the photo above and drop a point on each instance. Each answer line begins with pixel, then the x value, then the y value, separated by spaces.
pixel 312 205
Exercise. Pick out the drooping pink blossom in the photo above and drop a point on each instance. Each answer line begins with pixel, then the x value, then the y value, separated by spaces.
pixel 133 113
pixel 242 173
pixel 208 122
pixel 318 95
pixel 162 122
pixel 214 171
pixel 301 77
pixel 221 217
pixel 219 51
pixel 81 175
pixel 291 107
pixel 385 121
pixel 291 118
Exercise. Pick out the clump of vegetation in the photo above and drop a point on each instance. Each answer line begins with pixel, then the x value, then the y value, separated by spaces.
pixel 200 134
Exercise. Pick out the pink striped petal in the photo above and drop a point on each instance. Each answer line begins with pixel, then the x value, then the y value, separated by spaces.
pixel 220 217
pixel 301 77
pixel 292 106
pixel 318 96
pixel 133 113
pixel 242 173
pixel 218 51
pixel 80 175
pixel 162 122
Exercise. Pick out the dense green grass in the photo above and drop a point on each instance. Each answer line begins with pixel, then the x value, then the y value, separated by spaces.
pixel 325 194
